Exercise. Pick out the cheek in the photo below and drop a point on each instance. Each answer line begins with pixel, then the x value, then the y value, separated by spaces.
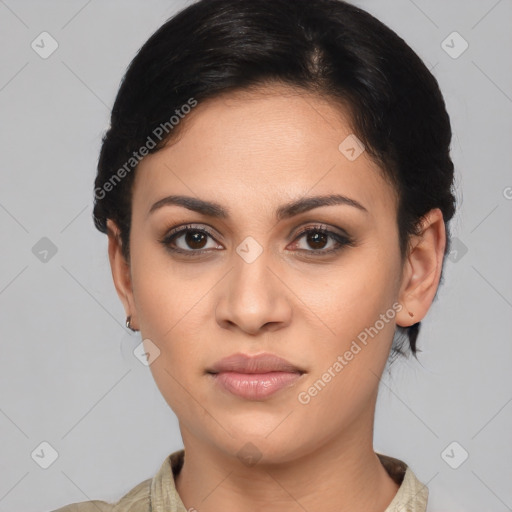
pixel 358 305
pixel 164 291
pixel 168 323
pixel 345 376
pixel 172 307
pixel 352 296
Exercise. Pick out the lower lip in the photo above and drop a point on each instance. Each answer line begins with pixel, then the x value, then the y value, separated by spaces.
pixel 255 386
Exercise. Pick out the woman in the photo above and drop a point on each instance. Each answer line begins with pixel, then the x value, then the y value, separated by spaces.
pixel 276 189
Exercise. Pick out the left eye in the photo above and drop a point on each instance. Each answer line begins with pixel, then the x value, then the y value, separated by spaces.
pixel 318 237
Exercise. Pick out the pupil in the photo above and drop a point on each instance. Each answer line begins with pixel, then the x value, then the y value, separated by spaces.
pixel 193 238
pixel 316 238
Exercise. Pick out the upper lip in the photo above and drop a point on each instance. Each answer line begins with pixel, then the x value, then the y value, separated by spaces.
pixel 261 363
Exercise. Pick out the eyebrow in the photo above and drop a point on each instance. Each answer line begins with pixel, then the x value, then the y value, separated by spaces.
pixel 215 210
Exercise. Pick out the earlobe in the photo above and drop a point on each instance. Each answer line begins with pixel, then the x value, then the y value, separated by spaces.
pixel 422 269
pixel 120 270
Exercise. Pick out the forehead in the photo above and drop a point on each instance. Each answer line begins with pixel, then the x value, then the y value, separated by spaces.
pixel 268 144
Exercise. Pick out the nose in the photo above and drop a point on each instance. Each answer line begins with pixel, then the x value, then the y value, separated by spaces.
pixel 253 298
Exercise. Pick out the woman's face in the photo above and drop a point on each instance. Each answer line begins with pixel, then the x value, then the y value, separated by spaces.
pixel 255 283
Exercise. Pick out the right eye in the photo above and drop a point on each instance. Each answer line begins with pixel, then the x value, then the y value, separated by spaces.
pixel 191 238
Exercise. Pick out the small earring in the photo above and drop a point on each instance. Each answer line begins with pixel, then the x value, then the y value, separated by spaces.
pixel 128 320
pixel 411 314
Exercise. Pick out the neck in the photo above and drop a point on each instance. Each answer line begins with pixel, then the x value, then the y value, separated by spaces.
pixel 333 477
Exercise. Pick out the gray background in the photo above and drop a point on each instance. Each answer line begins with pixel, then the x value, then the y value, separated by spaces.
pixel 67 372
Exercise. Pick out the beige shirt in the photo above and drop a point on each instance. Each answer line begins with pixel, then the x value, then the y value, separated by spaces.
pixel 159 494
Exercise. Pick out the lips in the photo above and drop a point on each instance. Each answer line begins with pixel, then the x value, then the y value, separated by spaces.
pixel 254 377
pixel 261 363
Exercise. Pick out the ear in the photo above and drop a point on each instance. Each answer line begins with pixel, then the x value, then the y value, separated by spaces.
pixel 422 269
pixel 120 271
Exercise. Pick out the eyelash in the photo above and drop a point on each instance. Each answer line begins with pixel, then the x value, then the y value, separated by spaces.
pixel 170 237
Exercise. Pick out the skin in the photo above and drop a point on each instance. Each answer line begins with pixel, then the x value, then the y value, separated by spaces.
pixel 252 152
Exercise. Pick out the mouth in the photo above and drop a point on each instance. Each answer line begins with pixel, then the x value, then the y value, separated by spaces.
pixel 254 377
